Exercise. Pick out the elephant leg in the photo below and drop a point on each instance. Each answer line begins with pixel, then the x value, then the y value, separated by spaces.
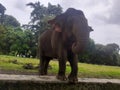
pixel 42 65
pixel 46 63
pixel 73 59
pixel 62 67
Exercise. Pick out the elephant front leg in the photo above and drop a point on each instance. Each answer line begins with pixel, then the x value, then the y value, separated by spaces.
pixel 44 62
pixel 62 69
pixel 73 59
pixel 41 67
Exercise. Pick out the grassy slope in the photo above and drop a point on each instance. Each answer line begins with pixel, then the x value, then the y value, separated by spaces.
pixel 85 70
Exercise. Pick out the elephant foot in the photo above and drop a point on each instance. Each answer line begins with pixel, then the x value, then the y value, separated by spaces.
pixel 72 79
pixel 61 77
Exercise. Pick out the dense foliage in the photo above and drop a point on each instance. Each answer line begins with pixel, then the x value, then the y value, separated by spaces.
pixel 10 21
pixel 15 41
pixel 22 41
pixel 101 54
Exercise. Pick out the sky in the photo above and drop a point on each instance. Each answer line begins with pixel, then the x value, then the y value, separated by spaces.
pixel 102 15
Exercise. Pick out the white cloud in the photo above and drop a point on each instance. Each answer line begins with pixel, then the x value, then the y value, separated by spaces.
pixel 20 5
pixel 115 13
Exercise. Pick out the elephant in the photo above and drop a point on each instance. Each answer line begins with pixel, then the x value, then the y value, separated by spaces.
pixel 67 38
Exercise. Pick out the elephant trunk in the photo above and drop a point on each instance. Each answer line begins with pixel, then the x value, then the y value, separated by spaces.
pixel 81 42
pixel 81 32
pixel 79 47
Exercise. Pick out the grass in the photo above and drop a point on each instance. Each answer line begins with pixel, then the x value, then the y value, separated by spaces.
pixel 7 63
pixel 84 70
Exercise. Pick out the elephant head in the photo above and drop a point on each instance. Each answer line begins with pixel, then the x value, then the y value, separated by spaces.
pixel 75 25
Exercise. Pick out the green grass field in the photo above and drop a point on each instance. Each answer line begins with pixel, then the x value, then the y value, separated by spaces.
pixel 85 70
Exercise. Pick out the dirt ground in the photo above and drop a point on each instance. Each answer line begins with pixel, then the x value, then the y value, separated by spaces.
pixel 8 74
pixel 15 72
pixel 34 77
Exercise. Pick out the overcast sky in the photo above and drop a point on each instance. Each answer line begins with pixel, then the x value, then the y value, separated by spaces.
pixel 102 15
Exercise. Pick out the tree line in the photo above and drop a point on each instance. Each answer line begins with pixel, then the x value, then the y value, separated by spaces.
pixel 22 40
pixel 101 54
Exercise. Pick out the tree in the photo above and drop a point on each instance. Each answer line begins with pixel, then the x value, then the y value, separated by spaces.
pixel 87 55
pixel 112 53
pixel 40 15
pixel 54 10
pixel 16 41
pixel 2 11
pixel 13 39
pixel 7 20
pixel 11 21
pixel 7 39
pixel 2 36
pixel 101 54
pixel 24 43
pixel 106 54
pixel 38 11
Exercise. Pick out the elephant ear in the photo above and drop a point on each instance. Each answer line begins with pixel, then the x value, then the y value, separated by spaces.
pixel 55 26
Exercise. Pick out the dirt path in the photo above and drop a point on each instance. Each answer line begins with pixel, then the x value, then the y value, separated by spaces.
pixel 52 79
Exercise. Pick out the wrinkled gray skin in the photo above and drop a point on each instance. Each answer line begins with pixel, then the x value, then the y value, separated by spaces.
pixel 68 37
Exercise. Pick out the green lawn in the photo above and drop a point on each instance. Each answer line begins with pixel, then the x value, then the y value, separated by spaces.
pixel 85 70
